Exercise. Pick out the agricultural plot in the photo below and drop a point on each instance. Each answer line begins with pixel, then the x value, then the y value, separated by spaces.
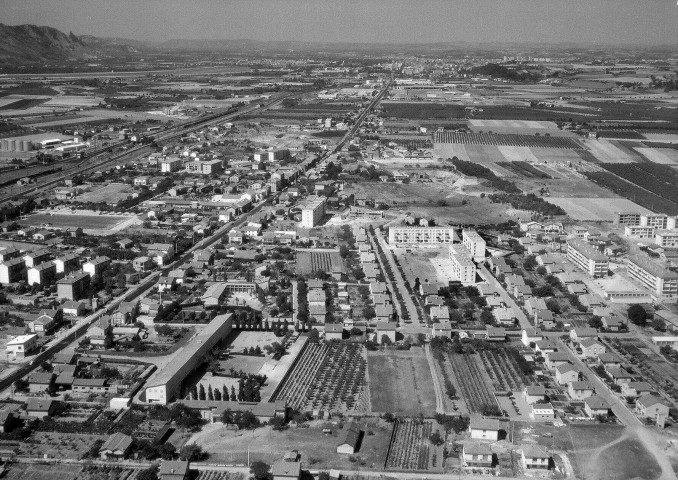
pixel 403 382
pixel 524 169
pixel 328 377
pixel 505 374
pixel 411 449
pixel 22 471
pixel 658 179
pixel 310 262
pixel 466 371
pixel 506 139
pixel 596 209
pixel 607 152
pixel 513 124
pixel 101 472
pixel 663 156
pixel 634 193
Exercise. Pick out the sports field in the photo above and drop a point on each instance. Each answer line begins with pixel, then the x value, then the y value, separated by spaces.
pixel 596 209
pixel 76 220
pixel 403 383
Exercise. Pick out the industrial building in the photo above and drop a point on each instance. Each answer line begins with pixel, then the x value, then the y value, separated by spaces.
pixel 20 346
pixel 662 282
pixel 165 384
pixel 474 243
pixel 312 212
pixel 421 235
pixel 587 257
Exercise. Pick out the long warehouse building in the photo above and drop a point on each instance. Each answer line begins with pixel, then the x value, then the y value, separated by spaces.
pixel 165 385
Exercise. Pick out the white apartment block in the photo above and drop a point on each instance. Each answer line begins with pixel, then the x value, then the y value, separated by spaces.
pixel 420 235
pixel 587 258
pixel 312 212
pixel 662 282
pixel 659 221
pixel 627 218
pixel 462 264
pixel 170 165
pixel 638 231
pixel 474 243
pixel 206 167
pixel 666 238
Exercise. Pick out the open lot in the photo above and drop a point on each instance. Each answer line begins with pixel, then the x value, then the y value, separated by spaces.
pixel 404 382
pixel 595 209
pixel 318 450
pixel 111 193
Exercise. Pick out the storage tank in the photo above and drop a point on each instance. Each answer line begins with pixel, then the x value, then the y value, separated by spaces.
pixel 5 144
pixel 27 146
pixel 12 145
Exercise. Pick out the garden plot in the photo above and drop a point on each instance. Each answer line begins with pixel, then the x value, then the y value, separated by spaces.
pixel 665 156
pixel 529 124
pixel 606 152
pixel 466 373
pixel 23 471
pixel 596 209
pixel 403 382
pixel 328 377
pixel 411 449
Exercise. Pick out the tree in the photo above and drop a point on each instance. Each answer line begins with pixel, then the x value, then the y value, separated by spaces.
pixel 21 385
pixel 151 473
pixel 261 470
pixel 596 322
pixel 210 393
pixel 553 305
pixel 314 336
pixel 637 314
pixel 436 439
pixel 659 324
pixel 530 263
pixel 385 340
pixel 192 453
pixel 201 393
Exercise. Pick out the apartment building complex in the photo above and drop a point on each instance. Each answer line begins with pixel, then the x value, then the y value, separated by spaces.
pixel 462 264
pixel 666 238
pixel 205 167
pixel 474 243
pixel 662 283
pixel 312 212
pixel 420 235
pixel 587 258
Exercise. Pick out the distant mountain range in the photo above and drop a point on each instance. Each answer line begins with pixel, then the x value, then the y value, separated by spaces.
pixel 26 44
pixel 30 44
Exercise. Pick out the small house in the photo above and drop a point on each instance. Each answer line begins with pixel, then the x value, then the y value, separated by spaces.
pixel 351 443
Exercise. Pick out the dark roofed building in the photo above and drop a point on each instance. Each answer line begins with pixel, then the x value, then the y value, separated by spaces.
pixel 351 442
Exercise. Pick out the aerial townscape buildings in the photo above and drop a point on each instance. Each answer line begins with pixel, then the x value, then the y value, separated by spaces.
pixel 225 260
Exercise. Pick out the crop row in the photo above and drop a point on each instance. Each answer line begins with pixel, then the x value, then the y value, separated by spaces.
pixel 658 179
pixel 472 386
pixel 501 367
pixel 410 445
pixel 525 169
pixel 632 192
pixel 508 140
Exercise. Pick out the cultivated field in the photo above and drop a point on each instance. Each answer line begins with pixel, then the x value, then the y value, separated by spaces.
pixel 595 209
pixel 411 449
pixel 310 262
pixel 402 382
pixel 504 372
pixel 632 192
pixel 467 373
pixel 21 471
pixel 328 377
pixel 503 139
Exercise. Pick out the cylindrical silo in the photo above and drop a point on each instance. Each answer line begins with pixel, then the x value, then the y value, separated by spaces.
pixel 5 144
pixel 12 145
pixel 27 146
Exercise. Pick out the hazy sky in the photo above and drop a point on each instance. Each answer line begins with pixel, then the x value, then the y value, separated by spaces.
pixel 390 21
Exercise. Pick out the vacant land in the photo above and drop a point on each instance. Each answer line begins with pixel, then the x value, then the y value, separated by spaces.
pixel 318 450
pixel 596 209
pixel 111 193
pixel 402 382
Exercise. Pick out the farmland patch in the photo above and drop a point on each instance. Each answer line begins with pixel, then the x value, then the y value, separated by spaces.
pixel 411 449
pixel 506 139
pixel 596 209
pixel 310 262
